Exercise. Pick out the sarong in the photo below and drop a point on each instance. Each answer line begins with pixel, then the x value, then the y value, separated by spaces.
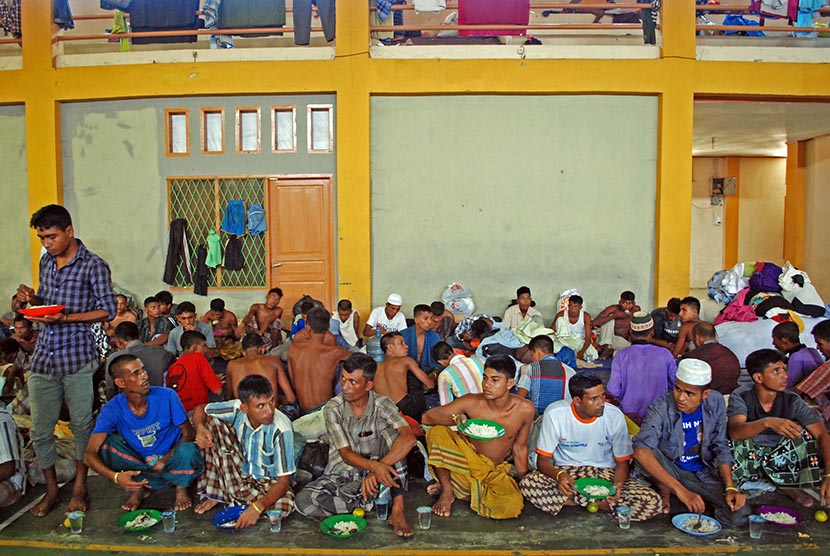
pixel 180 470
pixel 792 463
pixel 542 491
pixel 224 480
pixel 492 491
pixel 228 348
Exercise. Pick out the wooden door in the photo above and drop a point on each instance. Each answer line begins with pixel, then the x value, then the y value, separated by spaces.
pixel 301 239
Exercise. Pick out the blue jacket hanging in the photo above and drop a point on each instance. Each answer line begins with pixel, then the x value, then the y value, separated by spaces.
pixel 256 220
pixel 234 220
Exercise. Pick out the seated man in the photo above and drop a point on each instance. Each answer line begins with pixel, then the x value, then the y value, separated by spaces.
pixel 153 328
pixel 817 386
pixel 572 329
pixel 724 363
pixel 683 449
pixel 667 324
pixel 385 319
pixel 122 314
pixel 191 375
pixel 369 441
pixel 312 368
pixel 690 316
pixel 255 362
pixel 226 330
pixel 642 372
pixel 264 319
pixel 613 323
pixel 477 470
pixel 186 317
pixel 464 331
pixel 12 466
pixel 144 433
pixel 346 325
pixel 12 375
pixel 461 375
pixel 156 359
pixel 800 359
pixel 298 324
pixel 582 438
pixel 545 380
pixel 420 338
pixel 776 436
pixel 248 448
pixel 521 308
pixel 400 379
pixel 443 321
pixel 25 334
pixel 167 309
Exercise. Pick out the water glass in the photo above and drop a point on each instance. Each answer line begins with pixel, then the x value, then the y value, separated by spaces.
pixel 76 522
pixel 624 516
pixel 424 517
pixel 756 524
pixel 168 520
pixel 382 508
pixel 275 519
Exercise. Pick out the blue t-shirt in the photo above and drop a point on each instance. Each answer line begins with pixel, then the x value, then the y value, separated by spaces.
pixel 690 460
pixel 156 432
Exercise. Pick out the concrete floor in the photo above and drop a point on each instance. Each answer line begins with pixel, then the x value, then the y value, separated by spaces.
pixel 573 532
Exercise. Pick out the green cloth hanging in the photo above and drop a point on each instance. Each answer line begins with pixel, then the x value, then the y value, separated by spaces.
pixel 214 245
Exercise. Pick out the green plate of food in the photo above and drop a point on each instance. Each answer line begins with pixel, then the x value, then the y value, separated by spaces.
pixel 481 429
pixel 595 489
pixel 343 526
pixel 139 520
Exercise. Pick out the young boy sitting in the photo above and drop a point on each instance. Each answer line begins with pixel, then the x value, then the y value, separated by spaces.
pixel 191 376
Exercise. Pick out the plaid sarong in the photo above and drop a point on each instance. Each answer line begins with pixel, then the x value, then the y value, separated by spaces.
pixel 223 479
pixel 791 463
pixel 817 387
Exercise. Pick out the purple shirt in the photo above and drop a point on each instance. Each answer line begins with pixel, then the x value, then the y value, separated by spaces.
pixel 640 374
pixel 801 363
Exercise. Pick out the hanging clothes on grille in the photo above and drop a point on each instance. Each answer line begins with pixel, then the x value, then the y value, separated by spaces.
pixel 164 15
pixel 649 18
pixel 302 20
pixel 10 17
pixel 256 220
pixel 123 5
pixel 200 278
pixel 62 15
pixel 234 220
pixel 246 14
pixel 233 254
pixel 214 249
pixel 178 252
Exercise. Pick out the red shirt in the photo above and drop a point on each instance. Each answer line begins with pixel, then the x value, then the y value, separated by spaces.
pixel 192 377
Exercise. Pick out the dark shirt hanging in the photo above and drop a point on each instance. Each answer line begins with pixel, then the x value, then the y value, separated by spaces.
pixel 177 252
pixel 233 254
pixel 200 278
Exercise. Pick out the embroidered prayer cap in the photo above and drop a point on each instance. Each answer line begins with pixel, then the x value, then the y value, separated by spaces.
pixel 394 299
pixel 694 372
pixel 641 321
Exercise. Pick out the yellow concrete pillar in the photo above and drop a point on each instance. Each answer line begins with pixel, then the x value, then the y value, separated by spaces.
pixel 678 29
pixel 794 202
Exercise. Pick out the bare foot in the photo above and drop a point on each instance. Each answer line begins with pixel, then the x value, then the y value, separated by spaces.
pixel 134 501
pixel 79 502
pixel 45 506
pixel 665 497
pixel 183 501
pixel 799 496
pixel 434 489
pixel 205 506
pixel 397 519
pixel 443 506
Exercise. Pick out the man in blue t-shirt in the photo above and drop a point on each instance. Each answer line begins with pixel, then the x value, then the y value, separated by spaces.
pixel 145 433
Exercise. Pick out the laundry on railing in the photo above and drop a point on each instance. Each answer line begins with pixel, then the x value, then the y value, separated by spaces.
pixel 486 12
pixel 164 15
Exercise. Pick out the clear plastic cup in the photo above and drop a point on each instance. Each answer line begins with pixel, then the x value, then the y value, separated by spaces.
pixel 382 508
pixel 756 525
pixel 275 519
pixel 168 520
pixel 624 516
pixel 424 517
pixel 76 522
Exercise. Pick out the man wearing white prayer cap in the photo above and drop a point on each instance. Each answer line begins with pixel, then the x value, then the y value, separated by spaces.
pixel 682 447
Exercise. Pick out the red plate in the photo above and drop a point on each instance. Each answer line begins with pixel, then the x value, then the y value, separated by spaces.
pixel 42 311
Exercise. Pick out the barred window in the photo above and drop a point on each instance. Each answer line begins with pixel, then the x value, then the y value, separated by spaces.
pixel 202 201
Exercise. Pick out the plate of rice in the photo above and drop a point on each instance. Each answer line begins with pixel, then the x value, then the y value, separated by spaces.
pixel 481 429
pixel 595 489
pixel 41 310
pixel 343 526
pixel 226 519
pixel 698 525
pixel 780 516
pixel 139 520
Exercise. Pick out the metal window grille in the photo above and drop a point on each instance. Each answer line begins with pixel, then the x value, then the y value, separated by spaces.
pixel 202 202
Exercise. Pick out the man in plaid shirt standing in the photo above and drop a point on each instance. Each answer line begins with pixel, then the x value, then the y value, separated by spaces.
pixel 66 355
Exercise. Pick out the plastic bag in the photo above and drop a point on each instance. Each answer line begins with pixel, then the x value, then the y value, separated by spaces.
pixel 455 291
pixel 462 306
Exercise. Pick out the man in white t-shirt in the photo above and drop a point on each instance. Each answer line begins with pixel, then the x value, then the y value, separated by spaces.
pixel 389 318
pixel 586 438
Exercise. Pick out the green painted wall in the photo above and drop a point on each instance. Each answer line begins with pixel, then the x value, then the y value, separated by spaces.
pixel 14 208
pixel 496 192
pixel 115 171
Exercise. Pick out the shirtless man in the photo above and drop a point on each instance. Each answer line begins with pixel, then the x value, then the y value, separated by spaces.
pixel 255 362
pixel 226 330
pixel 122 314
pixel 400 379
pixel 264 318
pixel 690 316
pixel 312 368
pixel 614 337
pixel 501 497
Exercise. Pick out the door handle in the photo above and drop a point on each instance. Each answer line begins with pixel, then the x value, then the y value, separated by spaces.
pixel 275 265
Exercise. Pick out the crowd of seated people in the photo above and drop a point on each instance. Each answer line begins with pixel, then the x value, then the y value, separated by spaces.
pixel 221 409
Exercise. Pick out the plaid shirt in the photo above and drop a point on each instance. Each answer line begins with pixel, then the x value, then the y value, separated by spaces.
pixel 84 284
pixel 10 17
